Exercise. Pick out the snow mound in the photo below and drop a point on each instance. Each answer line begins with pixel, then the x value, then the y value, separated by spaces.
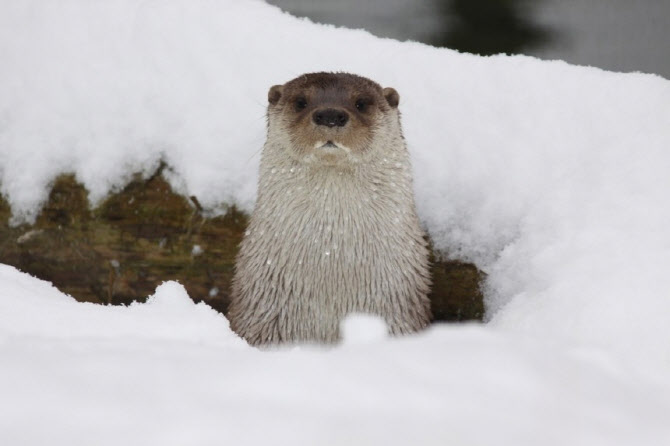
pixel 31 307
pixel 363 329
pixel 170 372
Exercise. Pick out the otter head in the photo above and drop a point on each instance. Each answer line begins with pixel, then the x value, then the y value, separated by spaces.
pixel 330 118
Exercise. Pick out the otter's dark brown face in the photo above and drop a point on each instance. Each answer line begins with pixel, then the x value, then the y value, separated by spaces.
pixel 330 116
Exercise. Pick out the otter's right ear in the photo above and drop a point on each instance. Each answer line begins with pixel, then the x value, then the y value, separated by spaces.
pixel 275 94
pixel 392 96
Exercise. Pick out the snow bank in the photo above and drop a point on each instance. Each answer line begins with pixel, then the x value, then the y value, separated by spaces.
pixel 68 379
pixel 552 178
pixel 33 308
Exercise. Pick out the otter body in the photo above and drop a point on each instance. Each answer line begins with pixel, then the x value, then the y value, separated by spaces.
pixel 334 229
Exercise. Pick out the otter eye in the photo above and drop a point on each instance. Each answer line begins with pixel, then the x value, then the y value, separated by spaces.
pixel 300 104
pixel 361 105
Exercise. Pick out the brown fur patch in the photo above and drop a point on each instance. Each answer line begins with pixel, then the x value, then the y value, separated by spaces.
pixel 363 100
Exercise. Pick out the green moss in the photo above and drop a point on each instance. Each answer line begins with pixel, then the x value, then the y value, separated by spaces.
pixel 67 205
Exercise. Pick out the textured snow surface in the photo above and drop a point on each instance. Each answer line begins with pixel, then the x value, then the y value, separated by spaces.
pixel 171 372
pixel 553 179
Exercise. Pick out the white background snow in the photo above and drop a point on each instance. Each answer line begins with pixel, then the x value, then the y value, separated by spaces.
pixel 552 178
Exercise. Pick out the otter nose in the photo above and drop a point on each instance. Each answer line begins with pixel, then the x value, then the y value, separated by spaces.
pixel 330 117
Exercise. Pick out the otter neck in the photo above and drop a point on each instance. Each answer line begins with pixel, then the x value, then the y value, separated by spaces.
pixel 381 181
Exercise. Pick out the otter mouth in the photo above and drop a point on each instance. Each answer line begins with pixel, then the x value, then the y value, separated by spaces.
pixel 331 147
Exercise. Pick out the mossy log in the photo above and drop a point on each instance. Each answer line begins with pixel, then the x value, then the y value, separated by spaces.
pixel 145 234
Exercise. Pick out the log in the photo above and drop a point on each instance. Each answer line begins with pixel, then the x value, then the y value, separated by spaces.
pixel 146 234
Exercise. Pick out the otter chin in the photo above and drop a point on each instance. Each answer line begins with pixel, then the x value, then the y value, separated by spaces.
pixel 330 152
pixel 334 230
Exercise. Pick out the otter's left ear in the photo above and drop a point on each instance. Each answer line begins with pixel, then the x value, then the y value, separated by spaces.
pixel 391 96
pixel 275 94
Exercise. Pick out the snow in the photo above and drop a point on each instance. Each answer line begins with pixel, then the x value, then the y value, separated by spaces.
pixel 197 250
pixel 171 372
pixel 363 328
pixel 552 178
pixel 35 309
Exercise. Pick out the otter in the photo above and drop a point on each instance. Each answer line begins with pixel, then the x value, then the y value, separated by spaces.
pixel 334 229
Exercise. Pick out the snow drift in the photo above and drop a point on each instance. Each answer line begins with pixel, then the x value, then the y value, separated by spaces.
pixel 170 372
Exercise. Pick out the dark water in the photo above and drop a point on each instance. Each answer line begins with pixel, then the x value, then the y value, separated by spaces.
pixel 618 35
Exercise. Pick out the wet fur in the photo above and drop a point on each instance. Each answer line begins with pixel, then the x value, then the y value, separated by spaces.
pixel 331 235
